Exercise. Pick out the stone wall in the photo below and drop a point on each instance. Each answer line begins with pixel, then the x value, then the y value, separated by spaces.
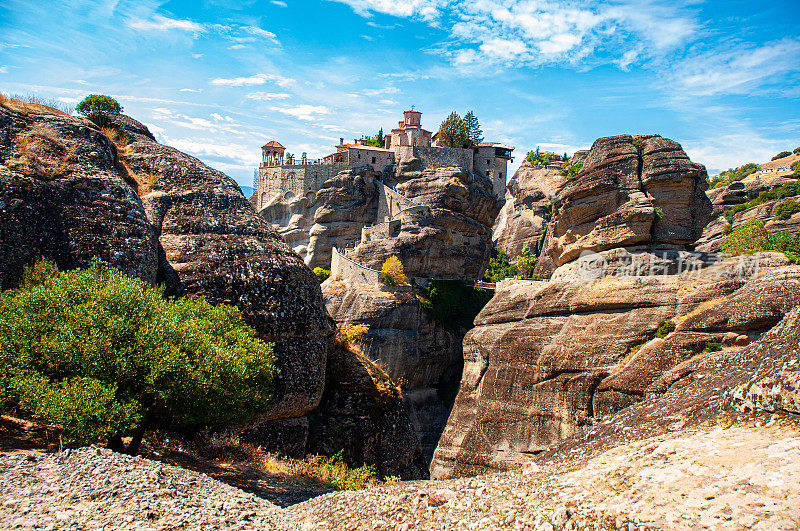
pixel 391 203
pixel 293 180
pixel 436 157
pixel 342 268
pixel 387 229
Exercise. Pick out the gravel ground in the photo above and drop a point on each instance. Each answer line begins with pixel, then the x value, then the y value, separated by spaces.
pixel 93 488
pixel 735 478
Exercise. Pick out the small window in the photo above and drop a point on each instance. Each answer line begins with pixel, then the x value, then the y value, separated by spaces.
pixel 359 155
pixel 374 160
pixel 500 175
pixel 488 162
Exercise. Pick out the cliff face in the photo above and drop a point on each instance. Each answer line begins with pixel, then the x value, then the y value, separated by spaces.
pixel 547 360
pixel 63 196
pixel 523 219
pixel 332 218
pixel 630 191
pixel 423 357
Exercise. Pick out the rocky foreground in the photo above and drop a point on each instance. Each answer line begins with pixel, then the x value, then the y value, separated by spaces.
pixel 734 478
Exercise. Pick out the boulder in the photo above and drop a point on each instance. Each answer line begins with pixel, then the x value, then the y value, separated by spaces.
pixel 630 191
pixel 64 196
pixel 215 245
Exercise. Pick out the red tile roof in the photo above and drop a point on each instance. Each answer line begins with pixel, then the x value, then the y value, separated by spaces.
pixel 273 144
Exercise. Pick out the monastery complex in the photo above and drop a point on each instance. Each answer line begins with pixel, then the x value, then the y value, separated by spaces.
pixel 288 178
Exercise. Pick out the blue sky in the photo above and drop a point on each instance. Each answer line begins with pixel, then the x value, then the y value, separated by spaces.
pixel 218 78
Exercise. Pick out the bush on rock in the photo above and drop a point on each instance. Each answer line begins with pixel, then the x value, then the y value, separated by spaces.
pixel 107 356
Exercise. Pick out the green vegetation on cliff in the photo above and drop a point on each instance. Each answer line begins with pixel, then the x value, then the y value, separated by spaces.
pixel 790 189
pixel 753 237
pixel 734 174
pixel 107 356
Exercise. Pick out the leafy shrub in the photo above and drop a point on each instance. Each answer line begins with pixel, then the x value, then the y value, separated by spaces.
pixel 790 189
pixel 781 155
pixel 95 103
pixel 499 267
pixel 569 170
pixel 526 262
pixel 796 151
pixel 351 334
pixel 106 356
pixel 392 272
pixel 711 346
pixel 659 213
pixel 727 229
pixel 452 304
pixel 665 328
pixel 334 471
pixel 732 175
pixel 322 274
pixel 753 237
pixel 787 209
pixel 638 142
pixel 795 168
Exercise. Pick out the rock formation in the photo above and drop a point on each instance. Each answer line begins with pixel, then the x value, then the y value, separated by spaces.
pixel 631 191
pixel 70 193
pixel 523 219
pixel 63 197
pixel 413 350
pixel 216 246
pixel 546 360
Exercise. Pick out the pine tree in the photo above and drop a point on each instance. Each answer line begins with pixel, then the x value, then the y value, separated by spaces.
pixel 474 132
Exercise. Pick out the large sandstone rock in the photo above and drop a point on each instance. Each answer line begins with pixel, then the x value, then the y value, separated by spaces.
pixel 425 359
pixel 523 219
pixel 630 191
pixel 215 245
pixel 546 359
pixel 451 240
pixel 63 196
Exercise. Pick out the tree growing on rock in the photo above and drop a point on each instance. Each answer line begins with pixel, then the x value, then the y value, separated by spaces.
pixel 392 273
pixel 96 103
pixel 453 132
pixel 474 132
pixel 107 356
pixel 526 262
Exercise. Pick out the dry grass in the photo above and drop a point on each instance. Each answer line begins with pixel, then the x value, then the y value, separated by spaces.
pixel 32 104
pixel 40 153
pixel 628 357
pixel 699 308
pixel 337 286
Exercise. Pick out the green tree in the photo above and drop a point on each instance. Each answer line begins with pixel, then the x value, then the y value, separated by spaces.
pixel 474 132
pixel 376 140
pixel 526 262
pixel 453 132
pixel 781 155
pixel 107 356
pixel 322 274
pixel 500 267
pixel 96 103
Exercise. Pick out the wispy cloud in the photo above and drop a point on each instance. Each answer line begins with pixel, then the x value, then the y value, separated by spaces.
pixel 267 96
pixel 303 112
pixel 279 3
pixel 738 70
pixel 3 70
pixel 190 90
pixel 162 23
pixel 257 79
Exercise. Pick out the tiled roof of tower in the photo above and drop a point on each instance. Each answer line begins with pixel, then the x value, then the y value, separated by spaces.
pixel 273 144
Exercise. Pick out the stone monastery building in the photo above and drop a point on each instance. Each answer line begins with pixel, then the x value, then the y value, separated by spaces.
pixel 288 178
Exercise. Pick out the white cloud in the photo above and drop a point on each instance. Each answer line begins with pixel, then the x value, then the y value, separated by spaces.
pixel 427 9
pixel 69 99
pixel 190 90
pixel 3 70
pixel 738 70
pixel 279 3
pixel 267 96
pixel 303 112
pixel 236 46
pixel 258 79
pixel 381 91
pixel 220 118
pixel 197 55
pixel 162 23
pixel 236 153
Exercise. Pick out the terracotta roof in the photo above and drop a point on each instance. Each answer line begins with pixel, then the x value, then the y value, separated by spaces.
pixel 273 144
